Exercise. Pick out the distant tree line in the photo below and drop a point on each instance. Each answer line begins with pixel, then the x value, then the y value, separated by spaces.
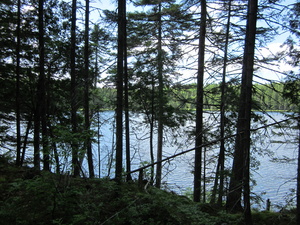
pixel 266 97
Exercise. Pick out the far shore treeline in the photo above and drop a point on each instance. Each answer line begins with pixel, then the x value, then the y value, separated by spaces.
pixel 266 97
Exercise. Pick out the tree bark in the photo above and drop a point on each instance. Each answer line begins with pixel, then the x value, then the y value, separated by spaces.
pixel 40 110
pixel 221 160
pixel 199 106
pixel 126 102
pixel 18 117
pixel 42 87
pixel 151 121
pixel 160 101
pixel 240 177
pixel 87 83
pixel 26 139
pixel 74 106
pixel 119 84
pixel 298 176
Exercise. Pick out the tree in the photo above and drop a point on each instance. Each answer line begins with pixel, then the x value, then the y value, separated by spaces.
pixel 298 173
pixel 126 107
pixel 18 116
pixel 87 84
pixel 42 86
pixel 160 99
pixel 199 105
pixel 291 89
pixel 40 111
pixel 220 173
pixel 73 93
pixel 153 43
pixel 119 85
pixel 240 177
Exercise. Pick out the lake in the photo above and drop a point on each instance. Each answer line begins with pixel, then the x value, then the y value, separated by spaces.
pixel 274 180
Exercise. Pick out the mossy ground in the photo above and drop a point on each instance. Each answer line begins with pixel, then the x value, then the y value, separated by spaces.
pixel 29 197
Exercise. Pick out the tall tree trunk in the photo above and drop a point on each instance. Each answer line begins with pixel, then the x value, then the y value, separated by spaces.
pixel 98 141
pixel 204 175
pixel 54 148
pixel 127 128
pixel 151 120
pixel 42 86
pixel 221 159
pixel 160 101
pixel 216 183
pixel 29 123
pixel 18 117
pixel 39 115
pixel 199 106
pixel 126 102
pixel 87 83
pixel 240 177
pixel 74 106
pixel 298 175
pixel 119 84
pixel 36 138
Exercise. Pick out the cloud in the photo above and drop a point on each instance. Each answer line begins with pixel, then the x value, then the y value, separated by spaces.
pixel 271 65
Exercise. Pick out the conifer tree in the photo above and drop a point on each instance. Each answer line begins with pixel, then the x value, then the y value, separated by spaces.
pixel 154 38
pixel 18 116
pixel 240 177
pixel 119 85
pixel 199 105
pixel 73 92
pixel 87 84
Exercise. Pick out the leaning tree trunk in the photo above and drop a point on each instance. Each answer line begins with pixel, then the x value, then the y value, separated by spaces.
pixel 199 106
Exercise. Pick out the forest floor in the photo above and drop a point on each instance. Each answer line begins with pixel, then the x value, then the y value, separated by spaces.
pixel 30 197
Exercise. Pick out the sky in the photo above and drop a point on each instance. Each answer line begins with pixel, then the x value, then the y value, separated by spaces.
pixel 267 72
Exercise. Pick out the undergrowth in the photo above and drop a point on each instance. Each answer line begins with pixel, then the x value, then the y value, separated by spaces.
pixel 29 197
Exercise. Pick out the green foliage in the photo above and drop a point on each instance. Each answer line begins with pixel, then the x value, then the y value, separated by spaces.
pixel 270 218
pixel 267 97
pixel 60 199
pixel 270 97
pixel 291 90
